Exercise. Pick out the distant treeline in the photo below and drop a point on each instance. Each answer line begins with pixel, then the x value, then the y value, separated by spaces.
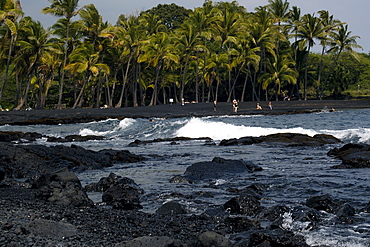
pixel 219 51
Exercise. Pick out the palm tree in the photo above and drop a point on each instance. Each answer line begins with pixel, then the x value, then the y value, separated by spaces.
pixel 84 60
pixel 49 64
pixel 34 42
pixel 187 43
pixel 217 61
pixel 93 27
pixel 67 9
pixel 10 12
pixel 311 28
pixel 280 70
pixel 330 25
pixel 201 19
pixel 226 28
pixel 262 34
pixel 342 41
pixel 158 52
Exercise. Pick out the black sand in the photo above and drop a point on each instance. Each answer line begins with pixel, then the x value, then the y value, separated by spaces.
pixel 176 110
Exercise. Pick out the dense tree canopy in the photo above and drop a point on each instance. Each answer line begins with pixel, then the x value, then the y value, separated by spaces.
pixel 219 51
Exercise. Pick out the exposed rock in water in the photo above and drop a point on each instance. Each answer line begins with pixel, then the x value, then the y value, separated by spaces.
pixel 352 156
pixel 290 139
pixel 18 136
pixel 75 138
pixel 30 161
pixel 218 168
pixel 103 184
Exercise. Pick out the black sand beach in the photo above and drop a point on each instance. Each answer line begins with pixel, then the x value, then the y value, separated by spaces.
pixel 66 116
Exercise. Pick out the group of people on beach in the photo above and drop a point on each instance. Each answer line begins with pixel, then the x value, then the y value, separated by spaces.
pixel 259 107
pixel 236 106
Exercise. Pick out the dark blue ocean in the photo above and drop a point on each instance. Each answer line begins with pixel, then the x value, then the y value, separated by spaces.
pixel 291 174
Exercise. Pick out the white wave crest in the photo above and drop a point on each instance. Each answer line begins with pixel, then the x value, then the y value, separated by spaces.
pixel 218 131
pixel 361 135
pixel 123 124
pixel 126 122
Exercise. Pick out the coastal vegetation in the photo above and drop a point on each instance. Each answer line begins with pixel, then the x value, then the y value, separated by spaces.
pixel 219 51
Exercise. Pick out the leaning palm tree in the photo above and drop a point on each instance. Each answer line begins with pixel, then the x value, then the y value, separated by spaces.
pixel 311 28
pixel 67 9
pixel 33 43
pixel 10 12
pixel 85 61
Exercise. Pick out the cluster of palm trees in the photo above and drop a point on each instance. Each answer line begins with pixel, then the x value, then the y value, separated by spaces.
pixel 220 52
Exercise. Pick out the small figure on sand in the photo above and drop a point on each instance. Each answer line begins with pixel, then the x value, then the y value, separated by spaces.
pixel 235 105
pixel 270 105
pixel 258 107
pixel 215 105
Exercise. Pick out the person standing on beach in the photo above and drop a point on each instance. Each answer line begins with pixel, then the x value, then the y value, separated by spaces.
pixel 235 105
pixel 270 105
pixel 215 105
pixel 258 107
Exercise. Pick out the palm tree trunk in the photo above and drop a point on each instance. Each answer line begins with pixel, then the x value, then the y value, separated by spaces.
pixel 12 41
pixel 153 101
pixel 119 104
pixel 306 74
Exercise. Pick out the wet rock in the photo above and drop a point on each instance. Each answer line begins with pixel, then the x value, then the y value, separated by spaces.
pixel 50 229
pixel 276 237
pixel 171 208
pixel 151 242
pixel 178 179
pixel 218 168
pixel 63 188
pixel 289 139
pixel 304 214
pixel 210 238
pixel 2 174
pixel 323 202
pixel 345 210
pixel 124 195
pixel 172 141
pixel 274 212
pixel 352 156
pixel 75 138
pixel 28 161
pixel 103 184
pixel 366 209
pixel 241 224
pixel 122 156
pixel 17 136
pixel 244 204
pixel 216 213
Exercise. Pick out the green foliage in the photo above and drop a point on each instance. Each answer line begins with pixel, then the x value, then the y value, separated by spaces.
pixel 216 52
pixel 171 15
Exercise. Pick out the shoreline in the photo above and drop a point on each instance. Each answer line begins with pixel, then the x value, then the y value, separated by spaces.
pixel 69 116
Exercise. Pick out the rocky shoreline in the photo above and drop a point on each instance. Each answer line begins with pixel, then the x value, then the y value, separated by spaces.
pixel 42 202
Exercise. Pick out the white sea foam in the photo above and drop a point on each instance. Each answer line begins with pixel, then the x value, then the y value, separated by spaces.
pixel 361 135
pixel 126 122
pixel 218 130
pixel 123 124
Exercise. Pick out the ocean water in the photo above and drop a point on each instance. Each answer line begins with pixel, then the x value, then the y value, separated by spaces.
pixel 291 174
